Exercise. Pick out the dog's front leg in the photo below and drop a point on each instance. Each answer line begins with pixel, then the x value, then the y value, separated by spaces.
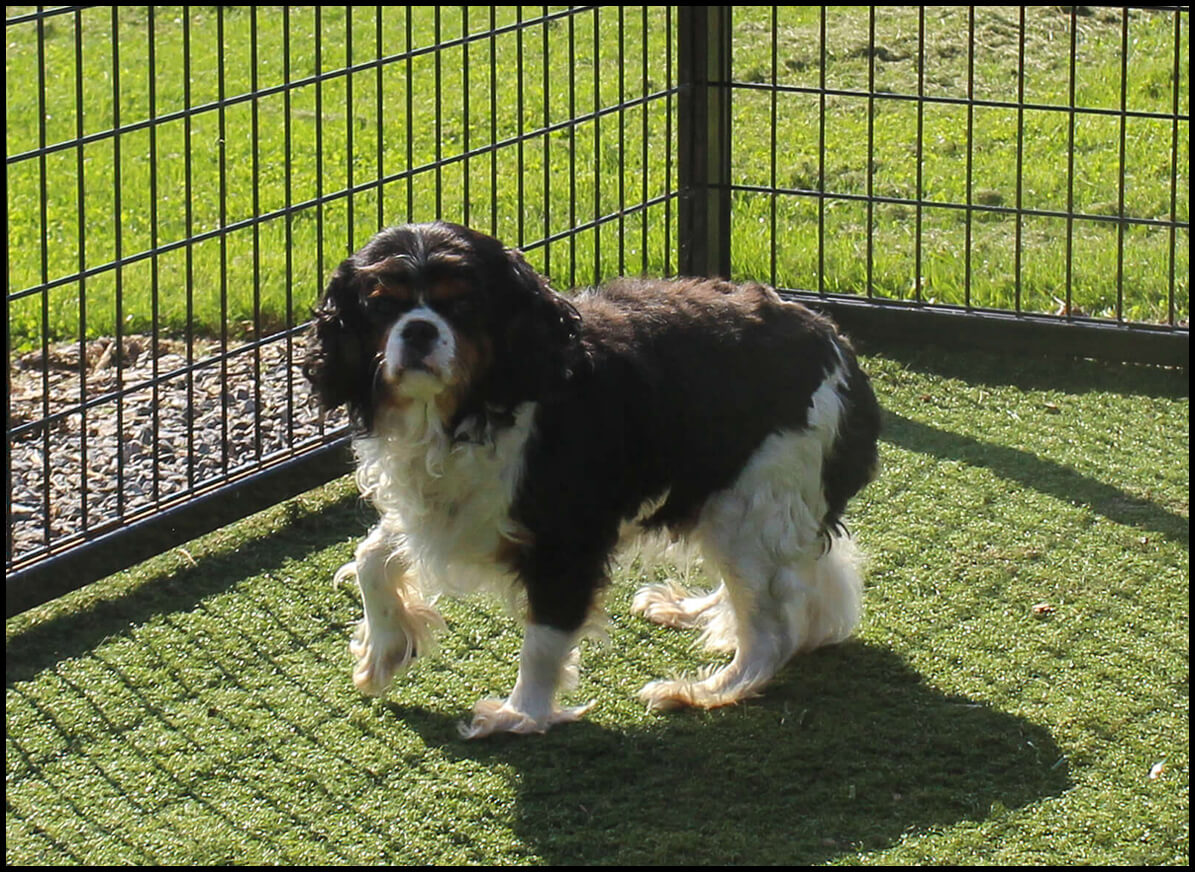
pixel 531 706
pixel 397 625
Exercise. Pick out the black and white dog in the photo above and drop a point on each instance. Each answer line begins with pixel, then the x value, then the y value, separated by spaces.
pixel 510 437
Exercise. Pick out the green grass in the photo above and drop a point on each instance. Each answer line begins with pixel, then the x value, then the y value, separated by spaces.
pixel 257 279
pixel 1022 669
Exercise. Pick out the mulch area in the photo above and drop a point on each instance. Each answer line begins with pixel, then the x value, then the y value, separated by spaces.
pixel 101 432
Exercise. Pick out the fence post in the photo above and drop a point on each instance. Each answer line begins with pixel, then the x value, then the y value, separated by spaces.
pixel 703 126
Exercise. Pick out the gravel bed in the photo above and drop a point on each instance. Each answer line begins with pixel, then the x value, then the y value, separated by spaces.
pixel 134 447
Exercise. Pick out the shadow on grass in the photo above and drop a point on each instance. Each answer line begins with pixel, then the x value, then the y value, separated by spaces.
pixel 72 630
pixel 1036 473
pixel 848 750
pixel 1048 372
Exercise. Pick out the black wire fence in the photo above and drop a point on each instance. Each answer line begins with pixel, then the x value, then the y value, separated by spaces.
pixel 1016 176
pixel 180 181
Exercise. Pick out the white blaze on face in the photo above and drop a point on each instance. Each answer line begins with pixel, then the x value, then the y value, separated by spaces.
pixel 420 353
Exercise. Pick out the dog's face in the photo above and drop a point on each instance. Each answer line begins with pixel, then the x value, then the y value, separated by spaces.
pixel 439 314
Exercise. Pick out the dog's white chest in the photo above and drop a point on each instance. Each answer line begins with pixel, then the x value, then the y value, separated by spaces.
pixel 449 500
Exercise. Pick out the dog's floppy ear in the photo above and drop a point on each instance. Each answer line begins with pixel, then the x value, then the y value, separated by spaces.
pixel 340 359
pixel 542 334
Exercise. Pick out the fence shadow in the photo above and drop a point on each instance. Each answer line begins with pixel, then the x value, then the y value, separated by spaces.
pixel 1037 473
pixel 1025 468
pixel 1048 372
pixel 73 631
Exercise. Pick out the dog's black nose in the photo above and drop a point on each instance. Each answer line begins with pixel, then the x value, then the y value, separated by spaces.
pixel 420 334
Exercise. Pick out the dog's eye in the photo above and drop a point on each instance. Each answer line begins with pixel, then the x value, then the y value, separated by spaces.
pixel 452 296
pixel 457 306
pixel 385 306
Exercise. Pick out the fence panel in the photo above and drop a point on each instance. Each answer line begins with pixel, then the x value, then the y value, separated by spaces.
pixel 182 179
pixel 1016 172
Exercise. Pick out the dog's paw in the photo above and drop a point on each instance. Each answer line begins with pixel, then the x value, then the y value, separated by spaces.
pixel 700 692
pixel 662 604
pixel 667 694
pixel 499 716
pixel 670 605
pixel 379 657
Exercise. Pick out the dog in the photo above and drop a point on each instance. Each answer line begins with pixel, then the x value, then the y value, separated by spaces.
pixel 510 437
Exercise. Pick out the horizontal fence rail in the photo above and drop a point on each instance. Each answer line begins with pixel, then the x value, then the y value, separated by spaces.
pixel 181 180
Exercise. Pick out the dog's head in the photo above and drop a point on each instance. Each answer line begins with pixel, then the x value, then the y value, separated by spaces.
pixel 439 314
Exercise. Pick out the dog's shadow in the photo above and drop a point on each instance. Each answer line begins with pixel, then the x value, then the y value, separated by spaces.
pixel 818 767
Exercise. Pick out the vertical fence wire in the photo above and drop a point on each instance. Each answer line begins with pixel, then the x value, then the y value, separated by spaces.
pixel 919 146
pixel 289 231
pixel 1122 161
pixel 155 263
pixel 189 248
pixel 81 220
pixel 222 187
pixel 546 121
pixel 670 111
pixel 969 196
pixel 773 143
pixel 821 153
pixel 596 97
pixel 44 265
pixel 1071 120
pixel 118 255
pixel 871 145
pixel 1019 228
pixel 1177 88
pixel 255 244
pixel 572 146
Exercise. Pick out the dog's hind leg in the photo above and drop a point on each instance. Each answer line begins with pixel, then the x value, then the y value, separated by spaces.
pixel 758 645
pixel 398 624
pixel 779 611
pixel 790 586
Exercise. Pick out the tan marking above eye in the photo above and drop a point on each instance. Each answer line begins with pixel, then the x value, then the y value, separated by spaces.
pixel 399 292
pixel 449 289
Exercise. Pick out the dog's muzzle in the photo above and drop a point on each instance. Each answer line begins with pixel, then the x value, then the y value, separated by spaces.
pixel 420 351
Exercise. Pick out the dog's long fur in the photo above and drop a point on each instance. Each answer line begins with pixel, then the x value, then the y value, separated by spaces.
pixel 509 437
